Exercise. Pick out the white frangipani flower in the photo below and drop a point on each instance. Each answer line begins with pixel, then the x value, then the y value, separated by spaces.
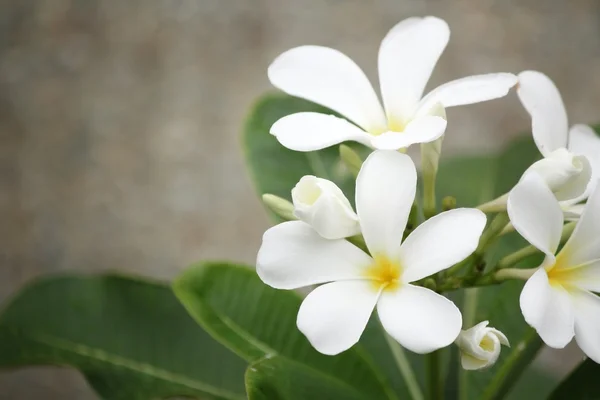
pixel 334 315
pixel 564 167
pixel 407 57
pixel 322 205
pixel 557 299
pixel 480 346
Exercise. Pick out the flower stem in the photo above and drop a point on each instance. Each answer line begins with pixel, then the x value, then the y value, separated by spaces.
pixel 519 358
pixel 514 273
pixel 496 205
pixel 491 233
pixel 405 369
pixel 469 311
pixel 429 206
pixel 513 258
pixel 434 376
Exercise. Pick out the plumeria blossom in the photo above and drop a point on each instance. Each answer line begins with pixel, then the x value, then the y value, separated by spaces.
pixel 480 346
pixel 557 299
pixel 334 315
pixel 407 56
pixel 322 205
pixel 565 167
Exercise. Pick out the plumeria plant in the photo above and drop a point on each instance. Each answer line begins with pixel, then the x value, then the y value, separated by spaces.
pixel 378 280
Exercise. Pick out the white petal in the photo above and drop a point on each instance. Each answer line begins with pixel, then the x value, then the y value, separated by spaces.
pixel 308 131
pixel 584 244
pixel 470 90
pixel 330 78
pixel 548 309
pixel 322 205
pixel 385 190
pixel 587 323
pixel 294 255
pixel 419 319
pixel 422 130
pixel 535 213
pixel 584 141
pixel 585 276
pixel 441 242
pixel 542 100
pixel 334 316
pixel 471 363
pixel 407 57
pixel 572 212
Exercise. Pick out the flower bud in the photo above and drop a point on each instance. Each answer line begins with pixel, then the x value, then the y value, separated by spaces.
pixel 566 174
pixel 480 346
pixel 280 206
pixel 321 204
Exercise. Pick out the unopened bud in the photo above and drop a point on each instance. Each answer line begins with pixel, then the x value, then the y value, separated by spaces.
pixel 480 346
pixel 280 206
pixel 322 205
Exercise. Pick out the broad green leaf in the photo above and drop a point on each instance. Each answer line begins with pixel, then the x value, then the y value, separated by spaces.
pixel 279 378
pixel 255 320
pixel 581 384
pixel 275 169
pixel 131 339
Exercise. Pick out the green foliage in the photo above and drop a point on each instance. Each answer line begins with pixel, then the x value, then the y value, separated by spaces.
pixel 582 384
pixel 131 339
pixel 255 321
pixel 280 378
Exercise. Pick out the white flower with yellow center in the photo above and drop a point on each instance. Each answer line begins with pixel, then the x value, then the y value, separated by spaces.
pixel 557 299
pixel 565 167
pixel 480 346
pixel 407 57
pixel 334 315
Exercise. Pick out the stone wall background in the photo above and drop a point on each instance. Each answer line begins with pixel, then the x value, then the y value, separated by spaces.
pixel 120 120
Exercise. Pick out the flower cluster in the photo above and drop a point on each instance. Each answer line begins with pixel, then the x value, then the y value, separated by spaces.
pixel 368 258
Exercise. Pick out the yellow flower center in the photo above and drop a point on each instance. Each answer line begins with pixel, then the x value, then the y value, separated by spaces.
pixel 487 344
pixel 560 273
pixel 384 273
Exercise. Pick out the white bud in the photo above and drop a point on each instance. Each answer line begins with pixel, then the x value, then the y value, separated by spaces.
pixel 566 174
pixel 321 204
pixel 480 346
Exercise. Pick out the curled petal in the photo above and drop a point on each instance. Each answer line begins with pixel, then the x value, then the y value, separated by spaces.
pixel 584 141
pixel 535 213
pixel 322 205
pixel 543 102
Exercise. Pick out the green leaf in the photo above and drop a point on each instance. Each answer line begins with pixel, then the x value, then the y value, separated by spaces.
pixel 131 339
pixel 275 169
pixel 279 378
pixel 582 384
pixel 255 320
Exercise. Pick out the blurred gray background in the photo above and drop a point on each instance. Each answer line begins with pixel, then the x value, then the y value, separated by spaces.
pixel 120 120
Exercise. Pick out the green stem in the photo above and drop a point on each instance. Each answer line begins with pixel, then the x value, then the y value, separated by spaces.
pixel 434 375
pixel 491 233
pixel 469 310
pixel 429 206
pixel 518 360
pixel 496 205
pixel 513 258
pixel 405 369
